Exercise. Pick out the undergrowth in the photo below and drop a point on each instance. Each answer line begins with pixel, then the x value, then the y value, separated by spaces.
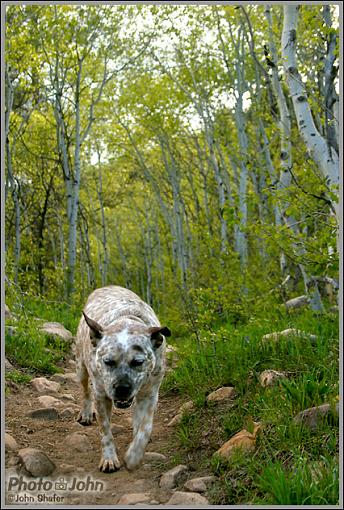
pixel 291 464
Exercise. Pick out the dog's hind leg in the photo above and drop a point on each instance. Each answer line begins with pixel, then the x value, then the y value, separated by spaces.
pixel 142 425
pixel 86 415
pixel 109 461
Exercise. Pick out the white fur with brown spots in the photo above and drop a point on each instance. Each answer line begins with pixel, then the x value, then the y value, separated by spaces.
pixel 120 348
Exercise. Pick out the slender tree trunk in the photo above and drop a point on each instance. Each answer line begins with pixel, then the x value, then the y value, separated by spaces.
pixel 99 185
pixel 321 152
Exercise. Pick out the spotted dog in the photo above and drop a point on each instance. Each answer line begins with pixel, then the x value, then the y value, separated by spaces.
pixel 120 348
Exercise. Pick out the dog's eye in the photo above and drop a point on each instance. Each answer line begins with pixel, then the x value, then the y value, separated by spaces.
pixel 136 363
pixel 110 362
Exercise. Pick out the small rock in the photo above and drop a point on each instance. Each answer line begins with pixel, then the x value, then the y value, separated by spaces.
pixel 65 378
pixel 187 498
pixel 78 442
pixel 297 302
pixel 68 412
pixel 8 314
pixel 270 377
pixel 36 462
pixel 8 366
pixel 187 406
pixel 57 329
pixel 170 479
pixel 314 415
pixel 199 484
pixel 177 419
pixel 71 377
pixel 154 457
pixel 134 498
pixel 49 401
pixel 72 363
pixel 289 332
pixel 10 442
pixel 66 468
pixel 68 396
pixel 243 439
pixel 42 385
pixel 46 413
pixel 227 392
pixel 117 429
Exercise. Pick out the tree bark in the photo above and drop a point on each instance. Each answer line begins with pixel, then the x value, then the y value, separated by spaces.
pixel 321 152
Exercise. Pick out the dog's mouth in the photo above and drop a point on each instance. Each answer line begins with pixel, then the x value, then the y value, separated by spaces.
pixel 123 404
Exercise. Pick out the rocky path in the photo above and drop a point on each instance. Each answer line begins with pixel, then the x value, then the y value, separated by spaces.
pixel 45 445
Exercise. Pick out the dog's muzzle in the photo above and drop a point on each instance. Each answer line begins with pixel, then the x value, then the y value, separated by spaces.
pixel 123 404
pixel 122 396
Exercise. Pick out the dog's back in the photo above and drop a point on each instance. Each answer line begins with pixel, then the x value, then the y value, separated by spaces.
pixel 107 305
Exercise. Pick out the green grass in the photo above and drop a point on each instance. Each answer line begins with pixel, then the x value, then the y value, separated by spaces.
pixel 28 347
pixel 291 464
pixel 31 349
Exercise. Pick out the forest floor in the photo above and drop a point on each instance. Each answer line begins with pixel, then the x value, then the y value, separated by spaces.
pixel 50 438
pixel 291 464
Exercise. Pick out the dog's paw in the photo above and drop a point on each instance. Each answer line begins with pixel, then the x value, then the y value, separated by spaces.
pixel 132 459
pixel 109 465
pixel 86 418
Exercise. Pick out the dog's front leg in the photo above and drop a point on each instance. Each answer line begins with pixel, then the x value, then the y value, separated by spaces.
pixel 142 426
pixel 109 461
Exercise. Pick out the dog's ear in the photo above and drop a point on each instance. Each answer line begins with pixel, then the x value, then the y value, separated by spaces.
pixel 156 334
pixel 96 331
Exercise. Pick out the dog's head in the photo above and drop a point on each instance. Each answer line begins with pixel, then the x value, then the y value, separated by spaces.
pixel 124 356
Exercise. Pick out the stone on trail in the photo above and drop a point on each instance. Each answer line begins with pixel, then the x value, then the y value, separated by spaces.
pixel 154 457
pixel 187 498
pixel 199 484
pixel 10 442
pixel 78 442
pixel 42 385
pixel 187 406
pixel 175 420
pixel 170 479
pixel 49 401
pixel 65 378
pixel 45 413
pixel 270 377
pixel 57 329
pixel 36 462
pixel 72 363
pixel 224 393
pixel 244 440
pixel 66 468
pixel 313 416
pixel 117 429
pixel 69 412
pixel 68 396
pixel 134 498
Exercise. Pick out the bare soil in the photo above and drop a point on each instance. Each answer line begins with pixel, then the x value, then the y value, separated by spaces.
pixel 50 437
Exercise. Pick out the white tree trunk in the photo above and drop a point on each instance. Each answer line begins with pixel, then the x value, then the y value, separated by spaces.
pixel 323 155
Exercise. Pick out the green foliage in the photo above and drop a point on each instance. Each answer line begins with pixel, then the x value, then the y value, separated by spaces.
pixel 315 483
pixel 26 344
pixel 17 377
pixel 274 473
pixel 160 204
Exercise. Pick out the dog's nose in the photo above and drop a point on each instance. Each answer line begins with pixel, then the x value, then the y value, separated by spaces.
pixel 123 391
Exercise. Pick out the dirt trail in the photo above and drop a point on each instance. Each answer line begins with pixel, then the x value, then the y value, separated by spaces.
pixel 50 436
